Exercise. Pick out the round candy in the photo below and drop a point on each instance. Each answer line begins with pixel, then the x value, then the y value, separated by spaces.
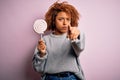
pixel 40 26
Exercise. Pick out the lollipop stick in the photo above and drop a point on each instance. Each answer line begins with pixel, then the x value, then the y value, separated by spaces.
pixel 40 36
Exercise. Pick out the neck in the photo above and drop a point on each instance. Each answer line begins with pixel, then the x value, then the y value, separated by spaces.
pixel 58 33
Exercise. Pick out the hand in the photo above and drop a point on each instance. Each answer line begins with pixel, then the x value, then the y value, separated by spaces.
pixel 73 32
pixel 41 47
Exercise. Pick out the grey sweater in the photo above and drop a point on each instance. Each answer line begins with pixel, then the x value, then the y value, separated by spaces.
pixel 62 55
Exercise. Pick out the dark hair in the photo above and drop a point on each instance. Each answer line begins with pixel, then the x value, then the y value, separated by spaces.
pixel 57 7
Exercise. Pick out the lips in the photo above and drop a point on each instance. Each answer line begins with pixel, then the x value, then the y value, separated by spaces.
pixel 64 27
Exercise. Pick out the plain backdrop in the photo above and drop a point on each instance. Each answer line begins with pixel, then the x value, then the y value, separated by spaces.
pixel 100 21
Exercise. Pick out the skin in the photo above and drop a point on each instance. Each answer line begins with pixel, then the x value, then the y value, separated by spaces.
pixel 62 23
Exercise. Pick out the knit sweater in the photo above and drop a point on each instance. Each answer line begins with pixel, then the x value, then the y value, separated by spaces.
pixel 62 55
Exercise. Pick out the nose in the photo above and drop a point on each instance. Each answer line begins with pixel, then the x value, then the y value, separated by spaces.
pixel 64 22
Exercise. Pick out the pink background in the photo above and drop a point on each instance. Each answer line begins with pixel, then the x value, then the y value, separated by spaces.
pixel 100 21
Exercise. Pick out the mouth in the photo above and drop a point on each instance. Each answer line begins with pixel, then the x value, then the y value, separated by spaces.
pixel 65 28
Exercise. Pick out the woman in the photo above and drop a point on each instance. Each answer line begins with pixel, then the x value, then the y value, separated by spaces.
pixel 56 56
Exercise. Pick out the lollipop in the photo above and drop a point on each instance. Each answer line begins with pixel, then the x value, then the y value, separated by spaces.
pixel 40 26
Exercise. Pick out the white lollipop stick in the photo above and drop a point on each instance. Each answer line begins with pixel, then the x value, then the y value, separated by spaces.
pixel 40 26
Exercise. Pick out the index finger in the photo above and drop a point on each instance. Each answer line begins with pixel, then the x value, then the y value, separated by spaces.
pixel 40 41
pixel 69 29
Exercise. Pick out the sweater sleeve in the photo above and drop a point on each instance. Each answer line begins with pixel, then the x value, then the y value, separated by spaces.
pixel 79 44
pixel 39 62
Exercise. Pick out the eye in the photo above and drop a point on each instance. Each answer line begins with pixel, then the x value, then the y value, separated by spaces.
pixel 60 19
pixel 68 19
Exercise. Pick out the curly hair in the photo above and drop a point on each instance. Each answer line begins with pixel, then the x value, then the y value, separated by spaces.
pixel 57 7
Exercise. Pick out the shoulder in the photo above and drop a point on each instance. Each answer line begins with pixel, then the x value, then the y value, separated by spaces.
pixel 82 35
pixel 47 36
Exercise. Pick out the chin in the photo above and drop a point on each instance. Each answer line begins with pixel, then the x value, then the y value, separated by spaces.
pixel 64 31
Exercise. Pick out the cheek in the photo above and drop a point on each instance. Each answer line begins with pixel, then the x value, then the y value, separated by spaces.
pixel 58 23
pixel 58 26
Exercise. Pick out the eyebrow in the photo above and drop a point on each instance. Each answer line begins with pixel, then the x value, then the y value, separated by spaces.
pixel 65 17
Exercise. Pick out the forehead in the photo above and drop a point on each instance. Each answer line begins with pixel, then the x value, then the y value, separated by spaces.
pixel 63 14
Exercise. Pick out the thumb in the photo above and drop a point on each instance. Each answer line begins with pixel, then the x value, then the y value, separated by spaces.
pixel 69 27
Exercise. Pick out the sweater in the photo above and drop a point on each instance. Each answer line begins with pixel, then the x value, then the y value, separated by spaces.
pixel 62 55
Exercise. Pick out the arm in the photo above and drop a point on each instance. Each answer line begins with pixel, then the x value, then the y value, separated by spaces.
pixel 39 62
pixel 78 44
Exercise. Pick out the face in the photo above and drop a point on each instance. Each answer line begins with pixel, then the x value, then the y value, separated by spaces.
pixel 62 22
